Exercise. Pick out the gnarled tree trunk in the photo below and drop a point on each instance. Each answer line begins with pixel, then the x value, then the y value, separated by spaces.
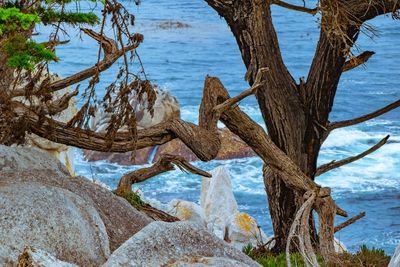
pixel 296 115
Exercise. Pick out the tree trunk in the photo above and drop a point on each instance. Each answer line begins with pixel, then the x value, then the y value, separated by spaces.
pixel 295 114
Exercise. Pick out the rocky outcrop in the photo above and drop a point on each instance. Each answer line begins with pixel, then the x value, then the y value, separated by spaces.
pixel 166 244
pixel 24 159
pixel 218 201
pixel 63 153
pixel 29 165
pixel 50 219
pixel 39 258
pixel 218 210
pixel 242 229
pixel 231 147
pixel 395 260
pixel 187 211
pixel 166 107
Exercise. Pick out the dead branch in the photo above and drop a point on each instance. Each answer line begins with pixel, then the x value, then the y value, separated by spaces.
pixel 336 164
pixel 300 229
pixel 348 222
pixel 312 11
pixel 326 210
pixel 111 55
pixel 358 60
pixel 251 91
pixel 61 104
pixel 379 112
pixel 164 164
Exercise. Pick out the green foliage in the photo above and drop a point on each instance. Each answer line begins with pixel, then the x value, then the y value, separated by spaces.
pixel 24 54
pixel 22 51
pixel 12 19
pixel 134 199
pixel 51 16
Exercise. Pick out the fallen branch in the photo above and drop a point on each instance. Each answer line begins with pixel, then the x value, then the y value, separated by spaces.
pixel 348 222
pixel 341 124
pixel 336 164
pixel 358 60
pixel 164 164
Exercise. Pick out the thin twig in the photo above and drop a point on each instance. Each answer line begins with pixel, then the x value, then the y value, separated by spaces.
pixel 341 124
pixel 349 221
pixel 336 164
pixel 312 11
pixel 358 60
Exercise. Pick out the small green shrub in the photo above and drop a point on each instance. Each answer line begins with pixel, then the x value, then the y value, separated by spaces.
pixel 134 199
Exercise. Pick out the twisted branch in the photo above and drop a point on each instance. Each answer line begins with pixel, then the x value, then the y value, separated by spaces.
pixel 164 164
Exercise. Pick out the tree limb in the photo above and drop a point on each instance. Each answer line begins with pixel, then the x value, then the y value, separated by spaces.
pixel 348 222
pixel 111 55
pixel 341 124
pixel 164 164
pixel 251 91
pixel 358 60
pixel 336 164
pixel 283 4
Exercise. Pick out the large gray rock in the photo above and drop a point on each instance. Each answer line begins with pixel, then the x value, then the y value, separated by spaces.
pixel 50 219
pixel 14 159
pixel 163 244
pixel 40 258
pixel 395 261
pixel 31 165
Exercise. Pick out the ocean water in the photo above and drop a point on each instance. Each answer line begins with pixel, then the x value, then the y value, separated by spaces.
pixel 179 59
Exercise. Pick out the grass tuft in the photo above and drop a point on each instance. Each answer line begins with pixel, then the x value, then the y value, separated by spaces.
pixel 364 257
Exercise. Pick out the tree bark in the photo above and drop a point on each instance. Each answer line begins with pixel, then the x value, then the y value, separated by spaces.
pixel 280 104
pixel 296 115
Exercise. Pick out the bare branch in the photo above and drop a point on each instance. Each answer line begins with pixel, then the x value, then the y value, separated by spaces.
pixel 358 60
pixel 341 124
pixel 60 104
pixel 336 164
pixel 312 11
pixel 341 212
pixel 348 222
pixel 164 164
pixel 111 55
pixel 367 10
pixel 234 100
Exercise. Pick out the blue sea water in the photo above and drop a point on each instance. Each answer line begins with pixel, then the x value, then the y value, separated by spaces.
pixel 179 59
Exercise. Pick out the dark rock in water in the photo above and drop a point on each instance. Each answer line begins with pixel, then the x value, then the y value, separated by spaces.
pixel 177 244
pixel 141 156
pixel 172 25
pixel 28 166
pixel 231 147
